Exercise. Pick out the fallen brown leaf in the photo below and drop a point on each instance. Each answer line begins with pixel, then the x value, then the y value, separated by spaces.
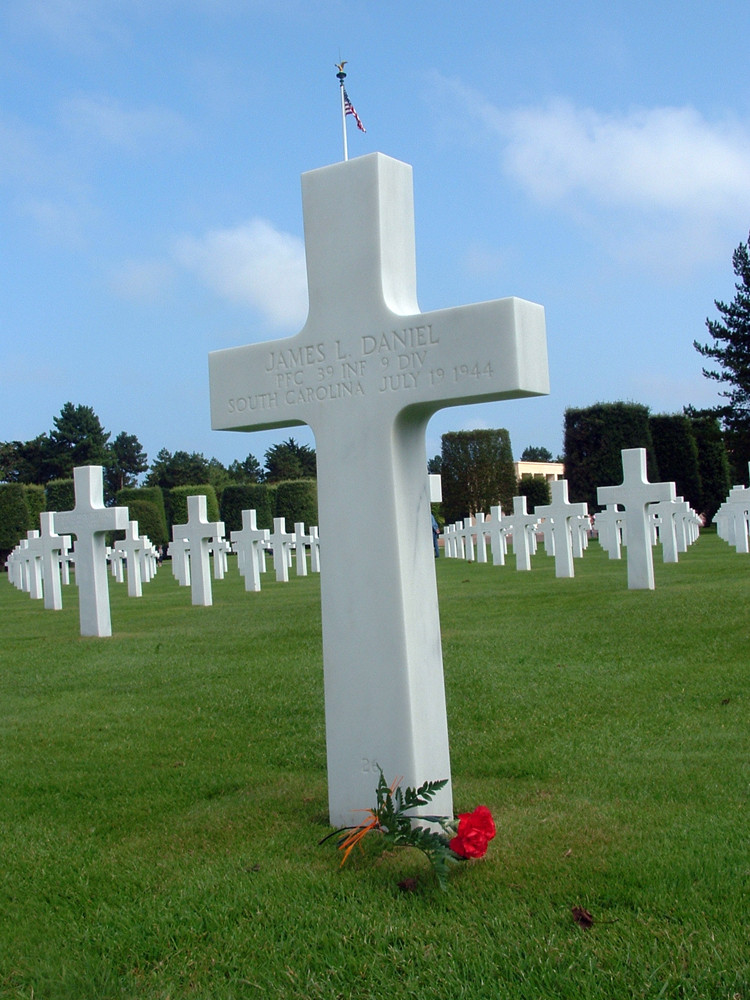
pixel 582 917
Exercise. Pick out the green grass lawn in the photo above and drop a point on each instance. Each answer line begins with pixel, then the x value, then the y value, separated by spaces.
pixel 163 794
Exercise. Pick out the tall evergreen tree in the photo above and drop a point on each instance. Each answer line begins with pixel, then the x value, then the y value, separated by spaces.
pixel 730 350
pixel 536 453
pixel 290 460
pixel 477 472
pixel 77 438
pixel 127 461
pixel 181 469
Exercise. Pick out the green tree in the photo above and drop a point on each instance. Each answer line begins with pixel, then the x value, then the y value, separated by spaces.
pixel 477 472
pixel 435 465
pixel 247 471
pixel 536 454
pixel 535 489
pixel 594 439
pixel 77 438
pixel 290 460
pixel 27 461
pixel 218 475
pixel 127 461
pixel 730 350
pixel 180 469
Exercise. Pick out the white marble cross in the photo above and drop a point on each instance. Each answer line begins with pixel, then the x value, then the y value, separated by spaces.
pixel 608 523
pixel 521 523
pixel 248 543
pixel 635 493
pixel 32 554
pixel 89 521
pixel 300 541
pixel 498 536
pixel 559 512
pixel 54 553
pixel 281 542
pixel 366 373
pixel 664 514
pixel 198 533
pixel 738 505
pixel 131 547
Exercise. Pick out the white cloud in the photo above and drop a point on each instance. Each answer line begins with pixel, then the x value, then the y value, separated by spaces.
pixel 144 281
pixel 78 25
pixel 58 222
pixel 131 129
pixel 252 264
pixel 664 159
pixel 661 185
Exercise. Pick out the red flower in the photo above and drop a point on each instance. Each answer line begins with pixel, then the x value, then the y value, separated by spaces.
pixel 475 831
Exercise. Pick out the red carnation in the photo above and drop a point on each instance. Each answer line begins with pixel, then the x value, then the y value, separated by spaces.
pixel 475 830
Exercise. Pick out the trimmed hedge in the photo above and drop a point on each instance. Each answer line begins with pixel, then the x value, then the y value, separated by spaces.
pixel 677 455
pixel 37 503
pixel 153 521
pixel 15 518
pixel 237 497
pixel 296 500
pixel 61 494
pixel 178 513
pixel 594 439
pixel 713 463
pixel 150 519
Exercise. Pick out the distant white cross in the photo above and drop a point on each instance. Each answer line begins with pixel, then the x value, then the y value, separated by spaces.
pixel 90 521
pixel 199 533
pixel 131 547
pixel 560 512
pixel 520 523
pixel 248 543
pixel 367 372
pixel 54 554
pixel 635 493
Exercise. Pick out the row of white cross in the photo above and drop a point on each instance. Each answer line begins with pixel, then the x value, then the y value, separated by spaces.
pixel 733 518
pixel 40 563
pixel 636 514
pixel 195 542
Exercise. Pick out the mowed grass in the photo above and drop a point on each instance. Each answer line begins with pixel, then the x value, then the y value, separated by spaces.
pixel 163 794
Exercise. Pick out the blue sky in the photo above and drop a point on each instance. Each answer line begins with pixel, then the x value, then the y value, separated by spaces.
pixel 591 157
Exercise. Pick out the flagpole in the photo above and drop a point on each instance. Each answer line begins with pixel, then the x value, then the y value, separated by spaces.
pixel 341 77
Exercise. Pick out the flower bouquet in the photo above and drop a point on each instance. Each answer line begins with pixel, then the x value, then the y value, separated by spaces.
pixel 445 842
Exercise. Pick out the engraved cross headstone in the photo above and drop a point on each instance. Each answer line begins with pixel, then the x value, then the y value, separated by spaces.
pixel 366 373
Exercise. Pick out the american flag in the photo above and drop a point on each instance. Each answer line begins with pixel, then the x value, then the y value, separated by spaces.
pixel 349 109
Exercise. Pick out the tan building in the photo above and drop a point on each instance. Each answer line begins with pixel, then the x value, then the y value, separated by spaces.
pixel 549 470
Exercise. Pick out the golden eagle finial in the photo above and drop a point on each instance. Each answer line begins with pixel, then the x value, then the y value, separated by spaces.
pixel 340 66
